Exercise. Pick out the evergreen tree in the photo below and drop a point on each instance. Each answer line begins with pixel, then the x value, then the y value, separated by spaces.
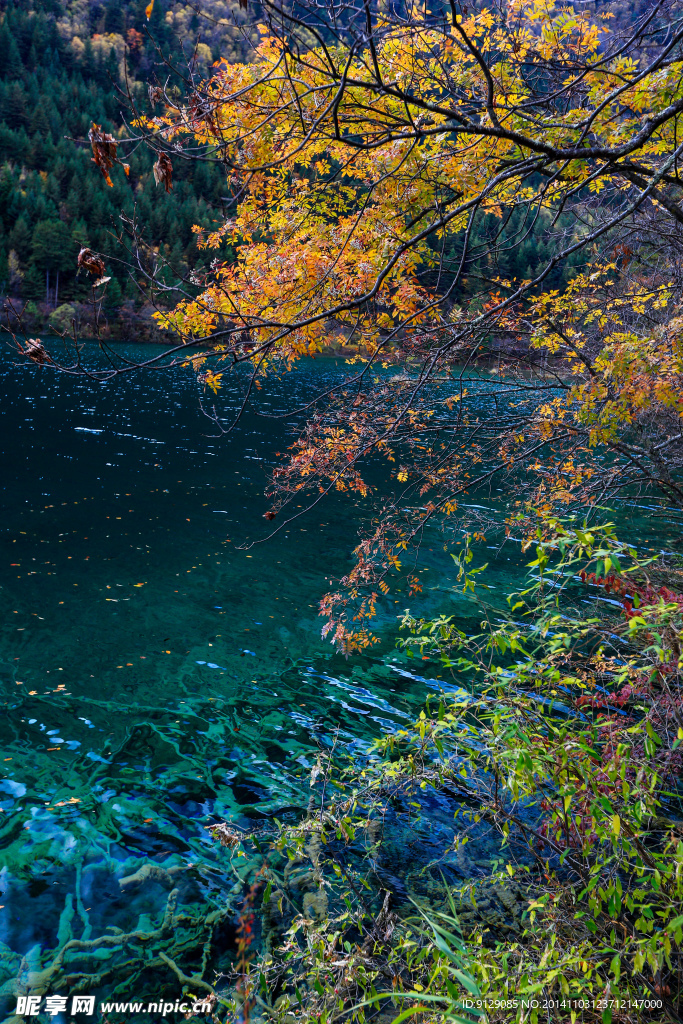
pixel 20 240
pixel 11 66
pixel 88 63
pixel 53 200
pixel 111 67
pixel 114 19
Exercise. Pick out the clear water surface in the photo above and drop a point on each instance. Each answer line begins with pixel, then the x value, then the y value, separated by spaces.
pixel 155 676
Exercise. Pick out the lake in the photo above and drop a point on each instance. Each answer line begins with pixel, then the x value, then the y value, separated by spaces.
pixel 156 674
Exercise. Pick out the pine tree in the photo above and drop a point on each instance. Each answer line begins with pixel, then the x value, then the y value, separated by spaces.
pixel 11 66
pixel 53 251
pixel 88 63
pixel 111 67
pixel 20 239
pixel 114 19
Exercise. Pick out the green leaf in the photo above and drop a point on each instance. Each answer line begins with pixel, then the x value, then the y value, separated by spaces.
pixel 615 967
pixel 445 947
pixel 468 982
pixel 410 1012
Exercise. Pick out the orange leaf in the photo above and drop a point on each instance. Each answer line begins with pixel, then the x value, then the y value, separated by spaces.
pixel 148 9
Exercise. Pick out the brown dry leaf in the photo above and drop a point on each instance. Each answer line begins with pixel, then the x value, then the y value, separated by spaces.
pixel 92 263
pixel 35 351
pixel 227 835
pixel 163 171
pixel 104 150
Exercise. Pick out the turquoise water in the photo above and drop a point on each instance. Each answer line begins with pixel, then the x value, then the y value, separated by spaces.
pixel 155 675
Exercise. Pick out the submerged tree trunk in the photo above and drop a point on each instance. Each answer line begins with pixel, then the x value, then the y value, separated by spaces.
pixel 57 291
pixel 47 286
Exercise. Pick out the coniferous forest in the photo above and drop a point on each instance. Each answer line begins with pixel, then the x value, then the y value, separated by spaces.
pixel 63 66
pixel 66 65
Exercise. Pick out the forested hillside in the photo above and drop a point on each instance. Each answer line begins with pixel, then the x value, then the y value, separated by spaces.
pixel 63 66
pixel 66 64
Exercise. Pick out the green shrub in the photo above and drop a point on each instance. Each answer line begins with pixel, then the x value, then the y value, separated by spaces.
pixel 561 735
pixel 62 318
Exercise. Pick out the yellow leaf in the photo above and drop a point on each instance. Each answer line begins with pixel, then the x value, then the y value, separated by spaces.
pixel 616 825
pixel 148 9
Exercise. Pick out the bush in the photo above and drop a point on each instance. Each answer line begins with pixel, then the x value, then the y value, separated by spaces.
pixel 560 738
pixel 62 318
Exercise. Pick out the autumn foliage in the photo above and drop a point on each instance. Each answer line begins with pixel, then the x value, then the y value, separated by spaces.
pixel 376 178
pixel 380 167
